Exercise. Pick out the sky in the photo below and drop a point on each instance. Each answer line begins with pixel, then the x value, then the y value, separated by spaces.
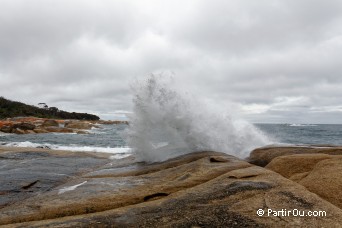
pixel 277 61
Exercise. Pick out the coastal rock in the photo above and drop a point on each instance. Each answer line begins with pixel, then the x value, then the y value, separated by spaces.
pixel 40 130
pixel 30 132
pixel 82 132
pixel 263 156
pixel 50 123
pixel 326 181
pixel 319 173
pixel 78 125
pixel 292 165
pixel 59 129
pixel 24 126
pixel 41 125
pixel 25 119
pixel 25 173
pixel 18 131
pixel 204 189
pixel 6 129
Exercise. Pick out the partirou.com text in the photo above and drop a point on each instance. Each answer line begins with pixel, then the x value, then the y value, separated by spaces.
pixel 292 212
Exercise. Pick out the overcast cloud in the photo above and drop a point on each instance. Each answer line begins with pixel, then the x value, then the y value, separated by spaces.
pixel 278 61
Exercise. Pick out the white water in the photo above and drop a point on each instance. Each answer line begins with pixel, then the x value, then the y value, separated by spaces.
pixel 302 125
pixel 75 148
pixel 167 123
pixel 70 188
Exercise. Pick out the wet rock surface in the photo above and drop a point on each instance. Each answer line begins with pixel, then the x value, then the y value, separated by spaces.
pixel 24 174
pixel 204 189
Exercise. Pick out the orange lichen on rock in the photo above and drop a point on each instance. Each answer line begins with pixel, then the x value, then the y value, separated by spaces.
pixel 20 125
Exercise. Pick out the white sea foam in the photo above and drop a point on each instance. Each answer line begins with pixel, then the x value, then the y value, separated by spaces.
pixel 167 123
pixel 75 148
pixel 23 144
pixel 4 134
pixel 111 150
pixel 302 125
pixel 70 188
pixel 120 155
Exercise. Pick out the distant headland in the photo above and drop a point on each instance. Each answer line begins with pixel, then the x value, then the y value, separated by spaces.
pixel 20 118
pixel 10 109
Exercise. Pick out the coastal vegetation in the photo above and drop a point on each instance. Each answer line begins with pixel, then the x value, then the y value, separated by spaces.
pixel 10 109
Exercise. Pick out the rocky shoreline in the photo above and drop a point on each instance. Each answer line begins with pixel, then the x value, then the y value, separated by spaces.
pixel 33 125
pixel 47 188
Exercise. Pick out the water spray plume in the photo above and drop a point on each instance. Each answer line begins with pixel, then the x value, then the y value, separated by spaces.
pixel 167 123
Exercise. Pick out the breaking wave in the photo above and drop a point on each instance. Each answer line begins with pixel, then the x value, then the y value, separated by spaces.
pixel 302 125
pixel 75 148
pixel 167 122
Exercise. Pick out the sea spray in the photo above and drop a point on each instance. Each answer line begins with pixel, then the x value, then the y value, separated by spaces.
pixel 167 122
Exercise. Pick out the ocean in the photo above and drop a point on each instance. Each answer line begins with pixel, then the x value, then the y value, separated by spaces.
pixel 109 138
pixel 167 122
pixel 303 134
pixel 106 139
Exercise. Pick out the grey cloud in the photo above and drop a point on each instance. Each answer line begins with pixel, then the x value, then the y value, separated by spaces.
pixel 240 27
pixel 82 55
